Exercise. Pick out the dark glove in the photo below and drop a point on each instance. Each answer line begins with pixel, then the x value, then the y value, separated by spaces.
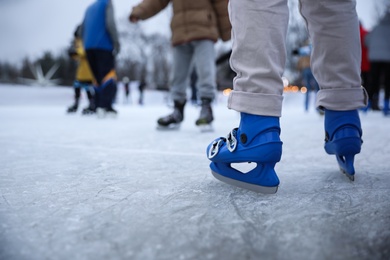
pixel 295 52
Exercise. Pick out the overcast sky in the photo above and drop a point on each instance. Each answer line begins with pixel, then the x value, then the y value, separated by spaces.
pixel 30 27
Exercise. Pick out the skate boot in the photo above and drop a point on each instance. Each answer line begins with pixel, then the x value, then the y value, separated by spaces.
pixel 386 108
pixel 255 141
pixel 172 121
pixel 343 138
pixel 106 112
pixel 206 116
pixel 73 108
pixel 90 109
pixel 110 112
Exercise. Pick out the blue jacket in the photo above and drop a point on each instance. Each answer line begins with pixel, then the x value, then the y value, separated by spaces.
pixel 98 29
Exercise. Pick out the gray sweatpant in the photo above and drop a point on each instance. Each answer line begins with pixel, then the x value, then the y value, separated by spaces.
pixel 202 54
pixel 259 35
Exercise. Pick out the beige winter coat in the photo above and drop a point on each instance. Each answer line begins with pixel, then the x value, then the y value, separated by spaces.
pixel 192 19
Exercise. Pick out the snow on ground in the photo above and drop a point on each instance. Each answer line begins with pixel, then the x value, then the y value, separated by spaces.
pixel 75 187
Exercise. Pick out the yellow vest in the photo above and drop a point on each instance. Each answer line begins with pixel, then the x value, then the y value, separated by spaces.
pixel 84 72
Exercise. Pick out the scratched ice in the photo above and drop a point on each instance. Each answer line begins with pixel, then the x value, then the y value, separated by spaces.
pixel 75 187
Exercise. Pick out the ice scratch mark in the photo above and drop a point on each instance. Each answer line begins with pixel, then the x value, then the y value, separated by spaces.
pixel 6 201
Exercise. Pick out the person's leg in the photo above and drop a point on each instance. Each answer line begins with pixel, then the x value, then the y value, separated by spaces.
pixel 182 56
pixel 94 65
pixel 386 107
pixel 374 86
pixel 105 75
pixel 77 93
pixel 307 82
pixel 336 57
pixel 258 57
pixel 90 90
pixel 364 75
pixel 204 60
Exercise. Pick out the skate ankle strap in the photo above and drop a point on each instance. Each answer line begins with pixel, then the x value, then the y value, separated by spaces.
pixel 214 149
pixel 231 140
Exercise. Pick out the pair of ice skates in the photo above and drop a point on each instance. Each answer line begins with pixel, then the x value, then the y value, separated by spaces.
pixel 173 121
pixel 257 141
pixel 86 111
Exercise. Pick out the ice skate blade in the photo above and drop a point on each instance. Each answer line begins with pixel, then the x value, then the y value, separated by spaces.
pixel 206 128
pixel 346 166
pixel 87 113
pixel 111 115
pixel 244 185
pixel 101 113
pixel 171 127
pixel 104 115
pixel 350 177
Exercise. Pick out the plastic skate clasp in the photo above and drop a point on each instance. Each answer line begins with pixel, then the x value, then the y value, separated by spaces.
pixel 231 140
pixel 214 149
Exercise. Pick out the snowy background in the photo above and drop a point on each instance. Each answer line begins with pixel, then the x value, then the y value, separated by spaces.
pixel 75 187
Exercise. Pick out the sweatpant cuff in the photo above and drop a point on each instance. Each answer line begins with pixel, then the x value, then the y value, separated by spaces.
pixel 256 103
pixel 342 99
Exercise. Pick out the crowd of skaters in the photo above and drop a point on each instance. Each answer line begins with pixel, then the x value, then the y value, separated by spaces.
pixel 196 27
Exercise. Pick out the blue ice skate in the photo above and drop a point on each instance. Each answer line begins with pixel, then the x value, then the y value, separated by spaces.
pixel 343 134
pixel 256 141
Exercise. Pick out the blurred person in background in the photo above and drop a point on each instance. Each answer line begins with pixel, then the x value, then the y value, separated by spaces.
pixel 196 26
pixel 84 77
pixel 126 86
pixel 378 44
pixel 101 43
pixel 303 66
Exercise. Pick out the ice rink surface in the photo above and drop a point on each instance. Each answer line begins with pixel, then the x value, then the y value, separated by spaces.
pixel 76 187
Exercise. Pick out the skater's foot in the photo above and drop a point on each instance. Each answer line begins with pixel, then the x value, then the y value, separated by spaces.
pixel 255 141
pixel 88 110
pixel 343 138
pixel 106 112
pixel 206 116
pixel 72 109
pixel 172 121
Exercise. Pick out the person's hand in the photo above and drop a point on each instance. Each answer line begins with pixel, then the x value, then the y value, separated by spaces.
pixel 295 52
pixel 133 18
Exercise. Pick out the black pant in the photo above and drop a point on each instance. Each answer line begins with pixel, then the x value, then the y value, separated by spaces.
pixel 101 63
pixel 380 73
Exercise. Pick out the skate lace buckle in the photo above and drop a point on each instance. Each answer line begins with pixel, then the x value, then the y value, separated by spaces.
pixel 231 140
pixel 215 147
